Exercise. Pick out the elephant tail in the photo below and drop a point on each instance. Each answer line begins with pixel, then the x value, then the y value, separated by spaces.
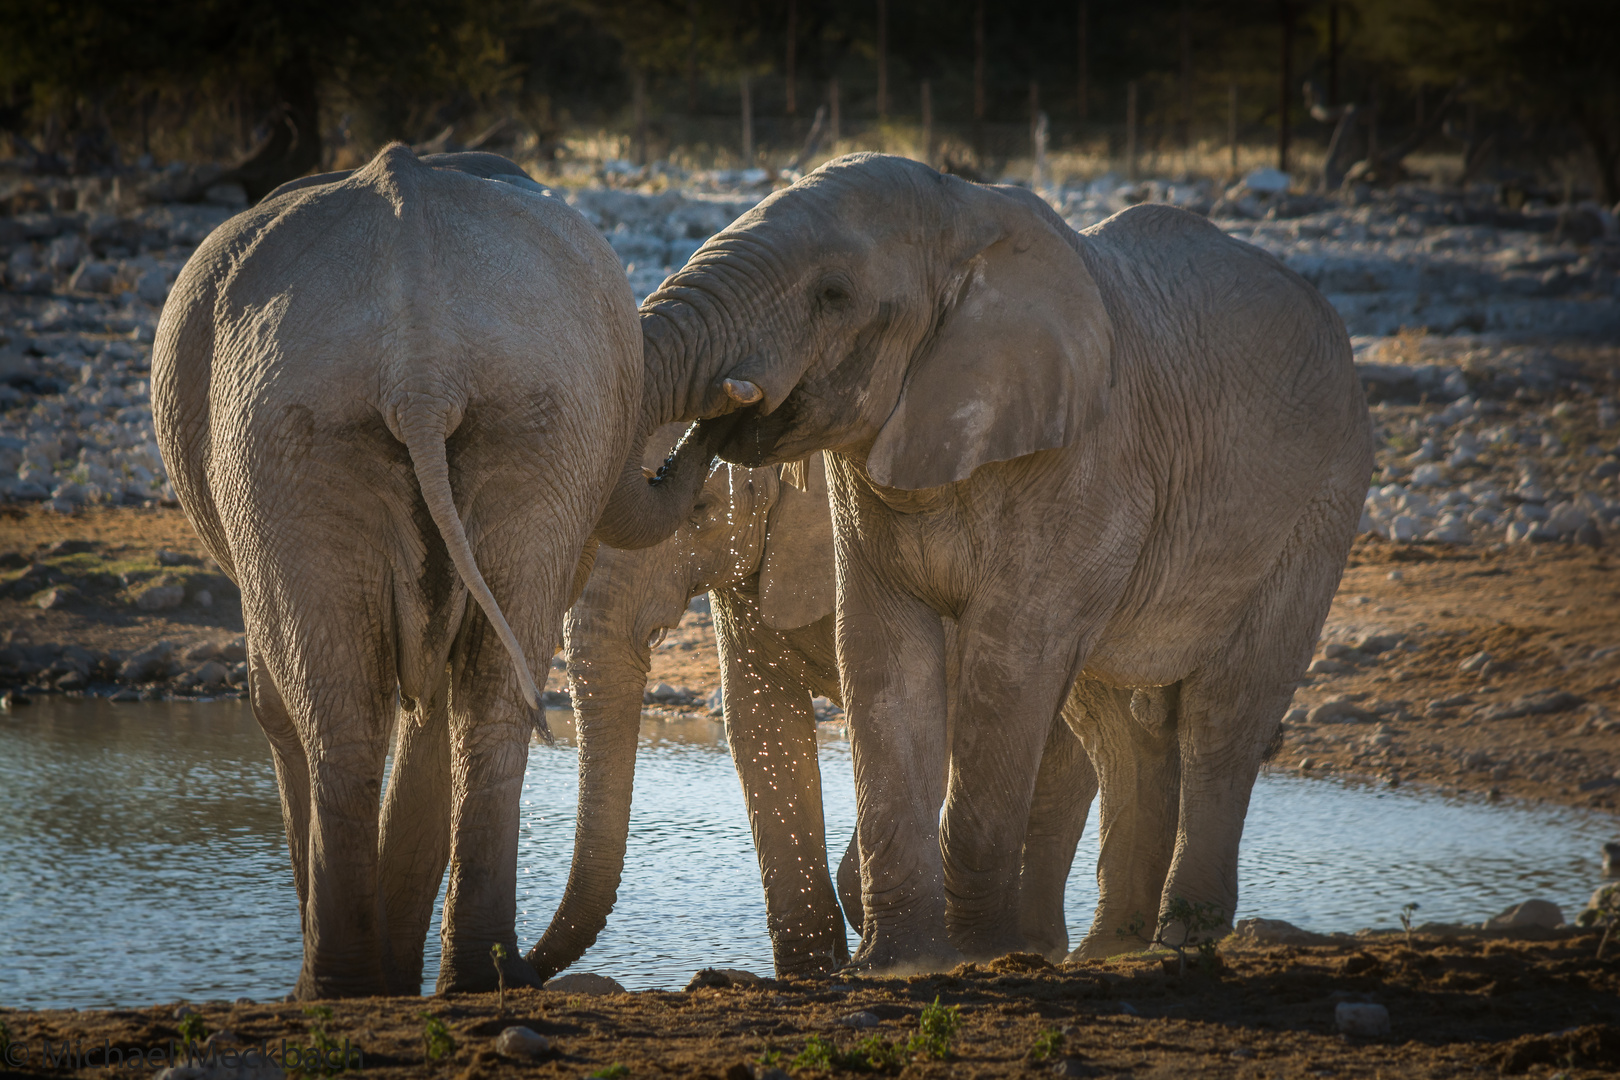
pixel 425 443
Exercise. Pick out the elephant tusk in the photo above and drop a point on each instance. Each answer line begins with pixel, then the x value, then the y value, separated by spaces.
pixel 742 391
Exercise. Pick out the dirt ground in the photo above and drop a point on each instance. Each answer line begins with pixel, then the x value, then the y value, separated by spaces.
pixel 1539 1004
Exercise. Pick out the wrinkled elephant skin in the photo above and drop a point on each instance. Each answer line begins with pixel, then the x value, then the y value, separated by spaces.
pixel 381 393
pixel 1128 461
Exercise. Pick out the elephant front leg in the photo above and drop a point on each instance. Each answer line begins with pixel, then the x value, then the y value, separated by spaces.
pixel 771 728
pixel 415 839
pixel 891 656
pixel 1065 784
pixel 1005 708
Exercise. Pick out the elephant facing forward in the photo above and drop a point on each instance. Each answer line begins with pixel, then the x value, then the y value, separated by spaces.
pixel 760 542
pixel 1133 456
pixel 378 394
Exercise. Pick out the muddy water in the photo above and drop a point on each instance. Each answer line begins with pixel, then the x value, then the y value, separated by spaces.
pixel 142 858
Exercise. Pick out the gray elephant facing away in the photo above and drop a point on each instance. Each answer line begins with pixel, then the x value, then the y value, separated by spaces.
pixel 1132 457
pixel 760 542
pixel 380 394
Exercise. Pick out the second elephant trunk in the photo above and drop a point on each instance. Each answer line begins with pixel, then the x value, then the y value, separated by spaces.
pixel 608 660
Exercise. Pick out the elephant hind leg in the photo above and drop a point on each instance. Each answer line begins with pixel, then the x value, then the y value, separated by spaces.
pixel 1137 773
pixel 1230 709
pixel 325 695
pixel 292 767
pixel 414 845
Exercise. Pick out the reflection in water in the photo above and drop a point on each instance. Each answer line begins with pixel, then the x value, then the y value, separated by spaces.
pixel 142 858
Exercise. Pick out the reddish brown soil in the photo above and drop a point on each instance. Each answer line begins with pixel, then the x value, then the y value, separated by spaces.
pixel 1545 613
pixel 1481 1004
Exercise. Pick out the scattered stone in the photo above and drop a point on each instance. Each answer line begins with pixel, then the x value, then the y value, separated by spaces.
pixel 1274 932
pixel 55 599
pixel 1538 704
pixel 1474 663
pixel 1361 1019
pixel 165 557
pixel 211 675
pixel 861 1019
pixel 160 597
pixel 1539 913
pixel 522 1043
pixel 708 977
pixel 1341 711
pixel 584 982
pixel 148 665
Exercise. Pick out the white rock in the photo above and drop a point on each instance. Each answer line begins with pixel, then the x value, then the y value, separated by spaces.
pixel 1451 531
pixel 160 597
pixel 1361 1018
pixel 1267 181
pixel 1429 450
pixel 1275 932
pixel 1542 913
pixel 1474 663
pixel 1428 476
pixel 522 1042
pixel 1405 528
pixel 584 982
pixel 861 1019
pixel 1518 532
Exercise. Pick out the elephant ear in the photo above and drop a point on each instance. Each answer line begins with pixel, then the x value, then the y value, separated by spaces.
pixel 798 582
pixel 1021 359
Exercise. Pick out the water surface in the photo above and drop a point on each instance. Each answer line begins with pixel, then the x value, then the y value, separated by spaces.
pixel 143 860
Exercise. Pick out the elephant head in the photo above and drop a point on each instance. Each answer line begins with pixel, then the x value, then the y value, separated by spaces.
pixel 744 522
pixel 881 309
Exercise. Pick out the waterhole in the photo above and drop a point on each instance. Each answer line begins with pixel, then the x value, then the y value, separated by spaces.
pixel 142 857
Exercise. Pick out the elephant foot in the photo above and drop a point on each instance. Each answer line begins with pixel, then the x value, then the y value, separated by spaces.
pixel 1102 946
pixel 311 987
pixel 894 955
pixel 476 974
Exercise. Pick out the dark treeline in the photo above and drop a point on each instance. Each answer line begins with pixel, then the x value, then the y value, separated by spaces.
pixel 87 84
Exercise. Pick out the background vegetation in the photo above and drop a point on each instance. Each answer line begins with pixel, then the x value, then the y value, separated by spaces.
pixel 88 85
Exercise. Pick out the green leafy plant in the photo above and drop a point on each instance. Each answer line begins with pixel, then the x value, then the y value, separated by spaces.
pixel 497 953
pixel 192 1028
pixel 1048 1046
pixel 871 1054
pixel 1406 921
pixel 1604 912
pixel 818 1053
pixel 319 1017
pixel 436 1040
pixel 935 1029
pixel 1197 920
pixel 615 1071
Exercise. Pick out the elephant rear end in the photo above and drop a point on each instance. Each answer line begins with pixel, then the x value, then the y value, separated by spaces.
pixel 381 396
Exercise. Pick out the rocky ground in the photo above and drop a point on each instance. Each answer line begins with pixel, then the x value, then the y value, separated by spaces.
pixel 1526 1002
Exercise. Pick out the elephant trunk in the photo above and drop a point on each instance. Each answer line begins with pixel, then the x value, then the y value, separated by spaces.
pixel 607 713
pixel 609 654
pixel 644 511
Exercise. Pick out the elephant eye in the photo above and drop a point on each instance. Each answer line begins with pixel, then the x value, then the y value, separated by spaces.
pixel 833 297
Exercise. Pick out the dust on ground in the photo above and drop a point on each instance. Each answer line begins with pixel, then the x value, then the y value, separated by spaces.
pixel 1534 1003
